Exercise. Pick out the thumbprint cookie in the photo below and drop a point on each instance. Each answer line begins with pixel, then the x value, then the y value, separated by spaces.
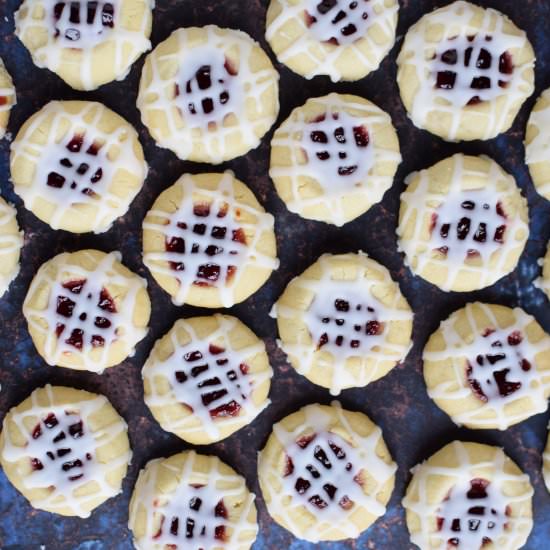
pixel 471 496
pixel 463 223
pixel 488 366
pixel 343 39
pixel 208 94
pixel 543 282
pixel 77 165
pixel 208 242
pixel 207 378
pixel 86 311
pixel 87 43
pixel 192 501
pixel 343 322
pixel 65 450
pixel 326 473
pixel 7 98
pixel 334 157
pixel 11 242
pixel 464 71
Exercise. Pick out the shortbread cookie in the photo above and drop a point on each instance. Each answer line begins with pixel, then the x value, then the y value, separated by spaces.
pixel 326 473
pixel 488 366
pixel 343 322
pixel 192 501
pixel 464 71
pixel 343 39
pixel 87 43
pixel 537 145
pixel 334 157
pixel 470 496
pixel 7 98
pixel 11 242
pixel 208 94
pixel 207 378
pixel 65 450
pixel 86 311
pixel 546 464
pixel 463 223
pixel 543 282
pixel 208 242
pixel 77 165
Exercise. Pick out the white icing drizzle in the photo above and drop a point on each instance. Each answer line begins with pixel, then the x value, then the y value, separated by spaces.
pixel 447 210
pixel 223 366
pixel 10 243
pixel 546 465
pixel 83 448
pixel 86 310
pixel 423 505
pixel 419 52
pixel 234 254
pixel 182 504
pixel 296 135
pixel 115 154
pixel 312 41
pixel 245 88
pixel 7 94
pixel 492 341
pixel 128 43
pixel 356 344
pixel 361 454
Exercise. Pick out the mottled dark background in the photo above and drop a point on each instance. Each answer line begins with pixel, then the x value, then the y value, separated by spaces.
pixel 413 426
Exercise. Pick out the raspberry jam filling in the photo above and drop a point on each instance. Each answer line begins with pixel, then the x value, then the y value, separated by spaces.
pixel 79 169
pixel 216 379
pixel 209 237
pixel 495 373
pixel 3 100
pixel 77 20
pixel 70 306
pixel 61 431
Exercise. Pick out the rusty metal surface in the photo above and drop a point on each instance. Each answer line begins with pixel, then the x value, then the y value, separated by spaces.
pixel 413 426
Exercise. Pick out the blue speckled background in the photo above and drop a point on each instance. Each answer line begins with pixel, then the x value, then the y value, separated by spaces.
pixel 413 426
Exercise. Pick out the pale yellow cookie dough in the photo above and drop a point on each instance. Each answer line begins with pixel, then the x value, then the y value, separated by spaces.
pixel 11 242
pixel 192 489
pixel 65 450
pixel 334 157
pixel 7 98
pixel 86 311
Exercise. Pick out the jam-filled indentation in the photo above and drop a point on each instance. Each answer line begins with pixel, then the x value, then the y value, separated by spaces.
pixel 77 20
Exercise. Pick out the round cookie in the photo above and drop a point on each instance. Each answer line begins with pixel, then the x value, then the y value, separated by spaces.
pixel 469 495
pixel 343 322
pixel 208 94
pixel 65 450
pixel 463 223
pixel 464 71
pixel 86 311
pixel 326 473
pixel 537 145
pixel 343 39
pixel 208 242
pixel 207 378
pixel 488 366
pixel 543 282
pixel 11 242
pixel 77 165
pixel 334 157
pixel 87 44
pixel 7 98
pixel 190 501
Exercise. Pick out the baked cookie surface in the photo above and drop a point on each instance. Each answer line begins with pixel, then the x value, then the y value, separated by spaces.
pixel 11 242
pixel 77 165
pixel 463 223
pixel 207 378
pixel 464 72
pixel 326 473
pixel 7 98
pixel 488 366
pixel 86 43
pixel 334 157
pixel 208 94
pixel 65 450
pixel 469 495
pixel 343 322
pixel 86 311
pixel 208 242
pixel 192 501
pixel 345 40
